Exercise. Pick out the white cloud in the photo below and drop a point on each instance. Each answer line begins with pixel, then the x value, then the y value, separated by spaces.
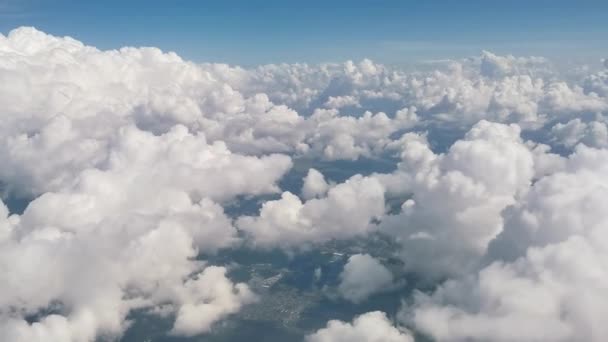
pixel 346 137
pixel 363 276
pixel 548 265
pixel 130 154
pixel 575 131
pixel 61 84
pixel 597 83
pixel 341 101
pixel 346 211
pixel 458 196
pixel 370 327
pixel 314 185
pixel 219 298
pixel 89 246
pixel 557 285
pixel 492 65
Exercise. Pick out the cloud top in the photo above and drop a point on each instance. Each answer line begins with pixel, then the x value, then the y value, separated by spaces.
pixel 487 175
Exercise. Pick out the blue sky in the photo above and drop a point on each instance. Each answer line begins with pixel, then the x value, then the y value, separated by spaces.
pixel 394 32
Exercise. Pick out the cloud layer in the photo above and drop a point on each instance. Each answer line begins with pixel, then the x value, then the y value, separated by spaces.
pixel 495 193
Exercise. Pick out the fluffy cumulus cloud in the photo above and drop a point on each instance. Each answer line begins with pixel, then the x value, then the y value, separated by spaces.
pixel 126 203
pixel 363 275
pixel 575 131
pixel 127 237
pixel 208 297
pixel 68 102
pixel 127 159
pixel 457 197
pixel 548 265
pixel 346 211
pixel 314 184
pixel 337 137
pixel 370 327
pixel 506 89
